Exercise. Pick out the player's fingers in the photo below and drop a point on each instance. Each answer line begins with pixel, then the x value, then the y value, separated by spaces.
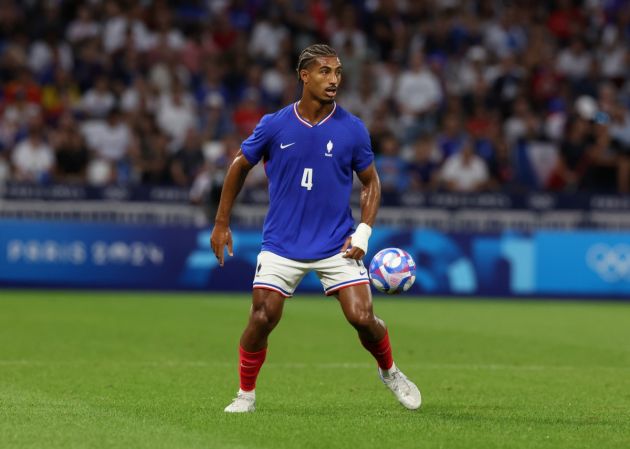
pixel 355 253
pixel 230 249
pixel 351 253
pixel 219 254
pixel 346 245
pixel 217 249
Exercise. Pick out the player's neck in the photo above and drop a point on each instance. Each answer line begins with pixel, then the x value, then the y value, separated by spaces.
pixel 312 110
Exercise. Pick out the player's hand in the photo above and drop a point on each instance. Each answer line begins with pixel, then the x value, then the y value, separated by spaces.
pixel 221 236
pixel 351 252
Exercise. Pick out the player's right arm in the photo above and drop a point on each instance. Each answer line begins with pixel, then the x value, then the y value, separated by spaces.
pixel 232 185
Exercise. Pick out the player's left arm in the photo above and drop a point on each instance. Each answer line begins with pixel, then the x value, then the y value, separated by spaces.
pixel 370 201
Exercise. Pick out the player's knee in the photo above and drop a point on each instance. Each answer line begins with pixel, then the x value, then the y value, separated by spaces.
pixel 265 318
pixel 361 319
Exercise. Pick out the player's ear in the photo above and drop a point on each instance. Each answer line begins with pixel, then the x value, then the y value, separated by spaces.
pixel 304 74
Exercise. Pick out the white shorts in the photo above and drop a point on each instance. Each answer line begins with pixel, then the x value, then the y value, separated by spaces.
pixel 283 275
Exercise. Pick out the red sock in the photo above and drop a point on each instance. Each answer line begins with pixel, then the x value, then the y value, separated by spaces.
pixel 249 364
pixel 381 350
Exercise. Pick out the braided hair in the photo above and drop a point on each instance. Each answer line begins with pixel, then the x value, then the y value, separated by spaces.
pixel 312 52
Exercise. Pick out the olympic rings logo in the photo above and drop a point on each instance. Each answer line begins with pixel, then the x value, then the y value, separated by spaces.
pixel 611 263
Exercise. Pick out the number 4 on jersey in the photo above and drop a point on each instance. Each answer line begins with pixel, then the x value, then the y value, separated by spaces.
pixel 307 178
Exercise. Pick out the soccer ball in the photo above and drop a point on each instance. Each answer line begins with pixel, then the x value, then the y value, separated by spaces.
pixel 392 271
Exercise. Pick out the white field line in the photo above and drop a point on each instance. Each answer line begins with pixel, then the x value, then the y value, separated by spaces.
pixel 302 365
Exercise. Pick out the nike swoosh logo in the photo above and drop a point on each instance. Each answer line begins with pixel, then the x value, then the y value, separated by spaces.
pixel 282 147
pixel 361 273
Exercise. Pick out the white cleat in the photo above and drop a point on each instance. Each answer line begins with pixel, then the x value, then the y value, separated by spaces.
pixel 405 390
pixel 244 402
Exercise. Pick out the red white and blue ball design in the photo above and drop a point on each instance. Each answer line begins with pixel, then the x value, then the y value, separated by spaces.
pixel 392 271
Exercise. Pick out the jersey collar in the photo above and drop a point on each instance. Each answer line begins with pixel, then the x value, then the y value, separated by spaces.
pixel 321 122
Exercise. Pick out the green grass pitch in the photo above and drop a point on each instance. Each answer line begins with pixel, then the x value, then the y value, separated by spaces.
pixel 151 370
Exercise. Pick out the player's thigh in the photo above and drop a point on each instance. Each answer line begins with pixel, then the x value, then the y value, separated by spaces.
pixel 278 274
pixel 356 303
pixel 267 306
pixel 338 273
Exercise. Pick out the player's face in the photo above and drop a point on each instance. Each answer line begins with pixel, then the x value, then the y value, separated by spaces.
pixel 323 78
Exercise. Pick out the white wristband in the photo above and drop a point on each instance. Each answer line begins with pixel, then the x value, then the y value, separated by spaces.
pixel 361 236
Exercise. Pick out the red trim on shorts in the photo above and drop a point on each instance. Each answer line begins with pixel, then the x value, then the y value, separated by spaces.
pixel 336 289
pixel 273 289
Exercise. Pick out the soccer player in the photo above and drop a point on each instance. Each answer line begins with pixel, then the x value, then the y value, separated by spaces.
pixel 310 150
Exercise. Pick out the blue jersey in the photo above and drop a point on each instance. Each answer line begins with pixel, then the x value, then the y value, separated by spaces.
pixel 310 170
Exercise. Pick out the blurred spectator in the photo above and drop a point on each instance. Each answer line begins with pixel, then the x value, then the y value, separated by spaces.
pixel 364 101
pixel 383 124
pixel 17 115
pixel 5 169
pixel 211 82
pixel 83 26
pixel 545 83
pixel 507 86
pixel 33 159
pixel 98 101
pixel 71 153
pixel 114 26
pixel 348 30
pixel 188 161
pixel 206 188
pixel 90 63
pixel 60 95
pixel 469 77
pixel 565 21
pixel 275 82
pixel 385 74
pixel 110 140
pixel 574 62
pixel 502 168
pixel 224 35
pixel 139 97
pixel 424 166
pixel 586 162
pixel 247 113
pixel 464 171
pixel 166 36
pixel 620 129
pixel 516 125
pixel 387 27
pixel 613 56
pixel 215 121
pixel 268 37
pixel 391 167
pixel 351 44
pixel 24 86
pixel 149 153
pixel 48 54
pixel 166 69
pixel 352 64
pixel 533 155
pixel 505 36
pixel 452 138
pixel 176 115
pixel 418 95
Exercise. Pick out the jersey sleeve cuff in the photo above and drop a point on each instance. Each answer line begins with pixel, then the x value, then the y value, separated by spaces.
pixel 252 160
pixel 361 167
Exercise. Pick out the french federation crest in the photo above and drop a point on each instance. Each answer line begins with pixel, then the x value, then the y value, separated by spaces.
pixel 329 147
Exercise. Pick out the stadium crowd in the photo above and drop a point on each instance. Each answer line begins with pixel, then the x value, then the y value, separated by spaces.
pixel 457 95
